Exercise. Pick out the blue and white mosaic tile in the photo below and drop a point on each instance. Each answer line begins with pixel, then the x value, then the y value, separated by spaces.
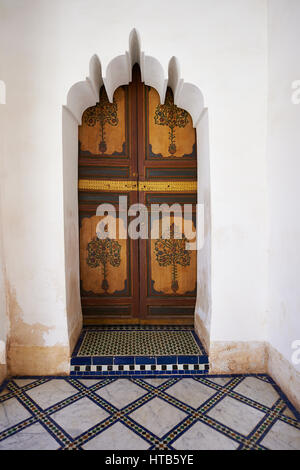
pixel 134 413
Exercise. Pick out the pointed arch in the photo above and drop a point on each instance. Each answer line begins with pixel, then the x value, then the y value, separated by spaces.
pixel 85 94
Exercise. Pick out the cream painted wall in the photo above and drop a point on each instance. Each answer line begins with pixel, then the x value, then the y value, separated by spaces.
pixel 283 177
pixel 45 47
pixel 3 310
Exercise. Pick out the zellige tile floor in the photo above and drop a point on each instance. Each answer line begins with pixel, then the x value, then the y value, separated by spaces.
pixel 181 413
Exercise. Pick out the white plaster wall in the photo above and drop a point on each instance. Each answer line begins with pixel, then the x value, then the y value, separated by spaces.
pixel 4 325
pixel 283 176
pixel 45 47
pixel 203 303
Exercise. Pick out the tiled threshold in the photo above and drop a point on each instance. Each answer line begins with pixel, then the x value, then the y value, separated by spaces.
pixel 138 351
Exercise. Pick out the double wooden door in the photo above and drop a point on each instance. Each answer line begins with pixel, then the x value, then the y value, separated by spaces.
pixel 144 152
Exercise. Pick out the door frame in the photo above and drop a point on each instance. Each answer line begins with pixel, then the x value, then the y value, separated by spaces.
pixel 85 94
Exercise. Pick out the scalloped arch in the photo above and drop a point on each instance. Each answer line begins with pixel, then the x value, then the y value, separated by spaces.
pixel 118 72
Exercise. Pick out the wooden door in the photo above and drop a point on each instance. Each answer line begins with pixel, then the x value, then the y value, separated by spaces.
pixel 146 151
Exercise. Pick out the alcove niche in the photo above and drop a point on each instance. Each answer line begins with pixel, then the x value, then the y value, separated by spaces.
pixel 84 94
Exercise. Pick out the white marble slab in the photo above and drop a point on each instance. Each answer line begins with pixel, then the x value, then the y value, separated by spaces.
pixel 22 382
pixel 236 415
pixel 121 392
pixel 219 380
pixel 158 416
pixel 258 390
pixel 202 437
pixel 117 437
pixel 89 382
pixel 49 393
pixel 282 436
pixel 35 437
pixel 191 392
pixel 12 413
pixel 79 416
pixel 155 382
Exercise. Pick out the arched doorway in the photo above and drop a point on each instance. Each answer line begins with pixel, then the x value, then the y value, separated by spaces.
pixel 145 152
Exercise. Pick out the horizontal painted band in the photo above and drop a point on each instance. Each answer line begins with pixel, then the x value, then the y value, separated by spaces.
pixel 147 186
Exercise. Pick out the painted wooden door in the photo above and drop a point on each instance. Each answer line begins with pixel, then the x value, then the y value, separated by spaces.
pixel 138 148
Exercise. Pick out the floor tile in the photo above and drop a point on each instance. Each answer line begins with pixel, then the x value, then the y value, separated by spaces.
pixel 23 382
pixel 79 416
pixel 121 392
pixel 34 437
pixel 287 412
pixel 152 411
pixel 191 391
pixel 202 437
pixel 220 380
pixel 236 415
pixel 117 437
pixel 282 436
pixel 257 390
pixel 49 393
pixel 155 382
pixel 12 413
pixel 89 382
pixel 4 391
pixel 158 416
pixel 158 341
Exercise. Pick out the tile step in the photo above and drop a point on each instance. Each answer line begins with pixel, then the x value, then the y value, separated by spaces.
pixel 113 366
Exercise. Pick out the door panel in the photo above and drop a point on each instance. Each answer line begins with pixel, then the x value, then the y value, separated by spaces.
pixel 147 151
pixel 107 170
pixel 167 175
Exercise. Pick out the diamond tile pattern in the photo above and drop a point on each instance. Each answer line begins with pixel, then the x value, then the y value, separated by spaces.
pixel 184 413
pixel 137 342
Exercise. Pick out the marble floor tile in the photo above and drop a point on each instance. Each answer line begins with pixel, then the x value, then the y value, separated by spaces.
pixel 155 382
pixel 23 382
pixel 282 436
pixel 117 437
pixel 236 415
pixel 257 390
pixel 79 416
pixel 287 412
pixel 49 393
pixel 89 382
pixel 121 392
pixel 12 413
pixel 191 392
pixel 34 437
pixel 158 416
pixel 200 436
pixel 4 391
pixel 219 380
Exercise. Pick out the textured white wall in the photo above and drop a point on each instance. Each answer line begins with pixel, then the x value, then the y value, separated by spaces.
pixel 283 176
pixel 45 47
pixel 3 310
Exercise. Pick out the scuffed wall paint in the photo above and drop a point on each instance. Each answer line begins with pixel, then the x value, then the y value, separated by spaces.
pixel 28 352
pixel 202 332
pixel 71 230
pixel 38 360
pixel 239 357
pixel 3 372
pixel 285 375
